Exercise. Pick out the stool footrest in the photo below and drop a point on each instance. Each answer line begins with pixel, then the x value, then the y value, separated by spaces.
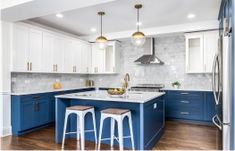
pixel 86 131
pixel 105 139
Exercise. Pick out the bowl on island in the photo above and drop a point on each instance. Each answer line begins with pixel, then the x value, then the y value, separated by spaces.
pixel 116 91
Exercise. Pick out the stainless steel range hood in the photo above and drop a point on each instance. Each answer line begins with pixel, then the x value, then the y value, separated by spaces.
pixel 149 56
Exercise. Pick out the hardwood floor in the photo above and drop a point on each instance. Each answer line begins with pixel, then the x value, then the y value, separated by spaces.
pixel 178 136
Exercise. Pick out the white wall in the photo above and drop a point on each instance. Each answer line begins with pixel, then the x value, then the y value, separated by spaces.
pixel 5 79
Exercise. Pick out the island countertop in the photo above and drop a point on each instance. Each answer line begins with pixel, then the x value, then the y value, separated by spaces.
pixel 102 95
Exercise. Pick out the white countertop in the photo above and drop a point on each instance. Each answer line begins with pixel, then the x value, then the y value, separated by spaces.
pixel 48 91
pixel 187 89
pixel 102 95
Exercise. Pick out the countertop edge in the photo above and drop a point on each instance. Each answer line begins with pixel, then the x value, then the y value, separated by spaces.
pixel 48 91
pixel 110 99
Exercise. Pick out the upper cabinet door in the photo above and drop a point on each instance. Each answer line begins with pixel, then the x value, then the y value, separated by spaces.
pixel 20 48
pixel 35 50
pixel 68 57
pixel 86 58
pixel 194 53
pixel 210 49
pixel 58 54
pixel 98 59
pixel 47 52
pixel 77 57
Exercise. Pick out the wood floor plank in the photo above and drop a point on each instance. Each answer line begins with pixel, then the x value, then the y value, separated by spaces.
pixel 177 136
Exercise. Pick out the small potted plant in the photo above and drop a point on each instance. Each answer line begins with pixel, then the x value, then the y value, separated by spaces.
pixel 176 84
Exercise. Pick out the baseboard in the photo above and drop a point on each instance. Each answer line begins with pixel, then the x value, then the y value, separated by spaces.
pixel 5 131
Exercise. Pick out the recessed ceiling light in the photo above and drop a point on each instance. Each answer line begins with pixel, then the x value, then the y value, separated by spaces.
pixel 93 29
pixel 191 16
pixel 59 15
pixel 139 23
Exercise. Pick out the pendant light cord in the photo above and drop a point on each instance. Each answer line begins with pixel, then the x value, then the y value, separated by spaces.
pixel 138 15
pixel 101 25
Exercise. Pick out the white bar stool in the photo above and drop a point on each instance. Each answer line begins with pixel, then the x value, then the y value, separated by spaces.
pixel 116 115
pixel 81 112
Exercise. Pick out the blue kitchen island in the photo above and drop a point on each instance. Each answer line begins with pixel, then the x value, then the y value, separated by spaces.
pixel 147 108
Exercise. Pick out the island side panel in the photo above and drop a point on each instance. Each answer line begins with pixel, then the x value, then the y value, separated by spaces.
pixel 154 121
pixel 60 107
pixel 101 105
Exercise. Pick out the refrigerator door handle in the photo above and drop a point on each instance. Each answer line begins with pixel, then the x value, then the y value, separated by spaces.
pixel 213 78
pixel 216 124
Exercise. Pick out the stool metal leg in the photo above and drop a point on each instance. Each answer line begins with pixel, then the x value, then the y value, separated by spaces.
pixel 78 129
pixel 81 122
pixel 100 131
pixel 112 131
pixel 94 125
pixel 131 131
pixel 65 127
pixel 120 133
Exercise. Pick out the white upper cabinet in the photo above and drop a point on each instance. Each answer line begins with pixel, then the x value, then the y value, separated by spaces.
pixel 35 50
pixel 40 50
pixel 105 60
pixel 210 49
pixel 27 49
pixel 86 58
pixel 58 54
pixel 20 48
pixel 47 52
pixel 200 51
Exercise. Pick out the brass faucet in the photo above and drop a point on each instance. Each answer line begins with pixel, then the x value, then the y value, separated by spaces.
pixel 126 79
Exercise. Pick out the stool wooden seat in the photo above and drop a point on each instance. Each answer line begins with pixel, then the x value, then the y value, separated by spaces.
pixel 79 108
pixel 115 111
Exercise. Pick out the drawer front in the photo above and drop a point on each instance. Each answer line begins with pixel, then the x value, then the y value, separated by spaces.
pixel 185 102
pixel 185 94
pixel 186 113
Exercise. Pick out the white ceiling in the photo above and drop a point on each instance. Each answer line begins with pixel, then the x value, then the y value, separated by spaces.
pixel 121 15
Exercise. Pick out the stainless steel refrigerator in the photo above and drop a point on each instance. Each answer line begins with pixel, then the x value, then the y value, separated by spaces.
pixel 222 90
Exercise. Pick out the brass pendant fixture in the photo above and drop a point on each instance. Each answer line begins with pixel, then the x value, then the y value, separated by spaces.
pixel 138 38
pixel 101 40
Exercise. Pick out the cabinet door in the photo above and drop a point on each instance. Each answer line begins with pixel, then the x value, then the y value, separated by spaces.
pixel 86 58
pixel 35 49
pixel 68 57
pixel 77 55
pixel 47 52
pixel 27 114
pixel 210 49
pixel 194 53
pixel 20 48
pixel 58 54
pixel 98 59
pixel 41 114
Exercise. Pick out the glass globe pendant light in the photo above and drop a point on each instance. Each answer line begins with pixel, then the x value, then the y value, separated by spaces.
pixel 101 40
pixel 138 38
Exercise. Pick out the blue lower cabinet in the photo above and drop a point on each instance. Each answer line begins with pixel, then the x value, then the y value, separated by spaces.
pixel 190 105
pixel 30 112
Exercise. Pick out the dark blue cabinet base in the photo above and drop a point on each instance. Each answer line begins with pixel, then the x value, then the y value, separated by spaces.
pixel 196 107
pixel 34 111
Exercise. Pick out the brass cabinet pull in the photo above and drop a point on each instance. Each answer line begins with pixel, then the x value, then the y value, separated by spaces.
pixel 27 66
pixel 31 66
